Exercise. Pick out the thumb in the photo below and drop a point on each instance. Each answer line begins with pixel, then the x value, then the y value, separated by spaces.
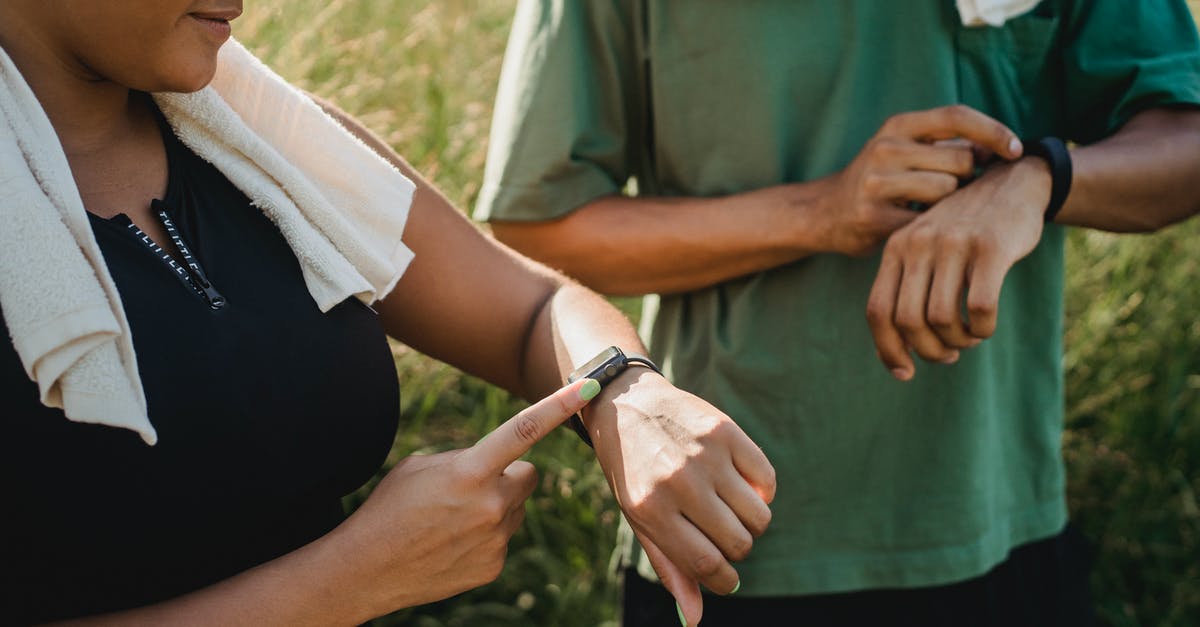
pixel 685 589
pixel 514 438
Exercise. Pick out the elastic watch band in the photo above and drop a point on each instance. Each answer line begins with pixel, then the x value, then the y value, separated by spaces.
pixel 1056 154
pixel 603 368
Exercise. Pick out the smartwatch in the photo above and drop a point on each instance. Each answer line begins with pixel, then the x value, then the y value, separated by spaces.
pixel 604 367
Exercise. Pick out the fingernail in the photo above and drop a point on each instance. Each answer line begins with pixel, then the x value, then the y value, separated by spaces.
pixel 589 390
pixel 1014 147
pixel 974 342
pixel 679 610
pixel 952 359
pixel 737 586
pixel 901 373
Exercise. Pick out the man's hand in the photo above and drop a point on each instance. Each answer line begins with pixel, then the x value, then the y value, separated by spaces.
pixel 692 485
pixel 908 160
pixel 963 245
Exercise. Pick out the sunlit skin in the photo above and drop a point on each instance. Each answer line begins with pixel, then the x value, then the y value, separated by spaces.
pixel 82 58
pixel 437 525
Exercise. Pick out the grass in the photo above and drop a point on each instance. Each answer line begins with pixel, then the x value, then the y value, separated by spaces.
pixel 423 75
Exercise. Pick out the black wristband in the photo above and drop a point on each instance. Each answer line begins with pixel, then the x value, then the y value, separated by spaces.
pixel 603 368
pixel 1055 152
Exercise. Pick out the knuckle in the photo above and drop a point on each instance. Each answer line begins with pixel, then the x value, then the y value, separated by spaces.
pixel 955 240
pixel 878 313
pixel 941 319
pixel 920 237
pixel 958 114
pixel 564 407
pixel 769 485
pixel 886 147
pixel 889 125
pixel 463 472
pixel 964 163
pixel 492 511
pixel 897 243
pixel 761 521
pixel 740 548
pixel 872 183
pixel 908 322
pixel 527 429
pixel 980 306
pixel 986 244
pixel 707 564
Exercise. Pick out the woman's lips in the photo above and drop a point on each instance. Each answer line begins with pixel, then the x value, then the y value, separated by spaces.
pixel 216 24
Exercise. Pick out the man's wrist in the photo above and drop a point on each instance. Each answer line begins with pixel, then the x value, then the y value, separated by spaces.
pixel 1034 181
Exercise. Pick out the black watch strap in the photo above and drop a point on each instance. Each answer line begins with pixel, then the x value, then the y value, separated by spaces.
pixel 1056 154
pixel 603 368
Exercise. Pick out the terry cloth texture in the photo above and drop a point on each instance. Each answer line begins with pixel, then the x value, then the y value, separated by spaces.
pixel 341 208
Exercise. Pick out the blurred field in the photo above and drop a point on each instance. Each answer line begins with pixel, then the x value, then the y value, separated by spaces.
pixel 422 75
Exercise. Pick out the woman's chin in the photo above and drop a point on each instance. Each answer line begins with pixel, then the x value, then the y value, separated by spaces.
pixel 185 82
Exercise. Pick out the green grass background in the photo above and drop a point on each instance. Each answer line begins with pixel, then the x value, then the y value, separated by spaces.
pixel 423 75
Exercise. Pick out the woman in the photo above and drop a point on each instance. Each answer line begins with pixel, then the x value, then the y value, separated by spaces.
pixel 268 406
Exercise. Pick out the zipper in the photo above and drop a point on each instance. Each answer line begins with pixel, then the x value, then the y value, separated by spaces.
pixel 189 272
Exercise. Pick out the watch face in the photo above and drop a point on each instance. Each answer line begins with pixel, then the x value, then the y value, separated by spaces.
pixel 604 357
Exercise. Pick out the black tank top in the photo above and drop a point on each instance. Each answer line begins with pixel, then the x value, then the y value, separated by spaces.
pixel 267 412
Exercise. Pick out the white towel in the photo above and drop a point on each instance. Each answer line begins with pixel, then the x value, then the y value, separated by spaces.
pixel 340 206
pixel 992 12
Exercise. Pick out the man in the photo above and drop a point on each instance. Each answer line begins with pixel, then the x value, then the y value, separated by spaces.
pixel 774 147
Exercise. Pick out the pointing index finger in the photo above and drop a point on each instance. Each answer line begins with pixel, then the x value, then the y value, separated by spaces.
pixel 518 434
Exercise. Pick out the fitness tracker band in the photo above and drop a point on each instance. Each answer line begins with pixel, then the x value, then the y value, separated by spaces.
pixel 1056 154
pixel 604 367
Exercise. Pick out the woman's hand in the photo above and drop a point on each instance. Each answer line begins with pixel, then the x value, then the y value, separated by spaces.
pixel 439 524
pixel 435 526
pixel 692 484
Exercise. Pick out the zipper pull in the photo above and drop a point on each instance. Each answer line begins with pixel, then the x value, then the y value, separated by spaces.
pixel 214 298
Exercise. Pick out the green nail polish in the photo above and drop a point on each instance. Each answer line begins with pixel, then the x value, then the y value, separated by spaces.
pixel 589 390
pixel 737 586
pixel 682 620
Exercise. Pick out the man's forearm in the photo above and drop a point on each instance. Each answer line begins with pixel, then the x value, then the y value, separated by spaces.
pixel 1142 178
pixel 625 246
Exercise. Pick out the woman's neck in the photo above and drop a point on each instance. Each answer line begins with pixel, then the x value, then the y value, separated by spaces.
pixel 88 112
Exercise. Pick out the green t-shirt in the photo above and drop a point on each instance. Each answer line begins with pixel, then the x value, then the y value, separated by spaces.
pixel 881 483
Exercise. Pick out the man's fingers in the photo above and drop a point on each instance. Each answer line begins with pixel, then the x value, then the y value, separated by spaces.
pixel 881 308
pixel 956 121
pixel 944 310
pixel 684 588
pixel 918 185
pixel 983 295
pixel 952 156
pixel 911 302
pixel 509 441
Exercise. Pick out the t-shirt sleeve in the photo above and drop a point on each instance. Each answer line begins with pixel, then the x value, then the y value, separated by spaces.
pixel 1124 57
pixel 565 110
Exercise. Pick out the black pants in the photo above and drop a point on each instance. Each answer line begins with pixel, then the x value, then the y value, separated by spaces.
pixel 1043 583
